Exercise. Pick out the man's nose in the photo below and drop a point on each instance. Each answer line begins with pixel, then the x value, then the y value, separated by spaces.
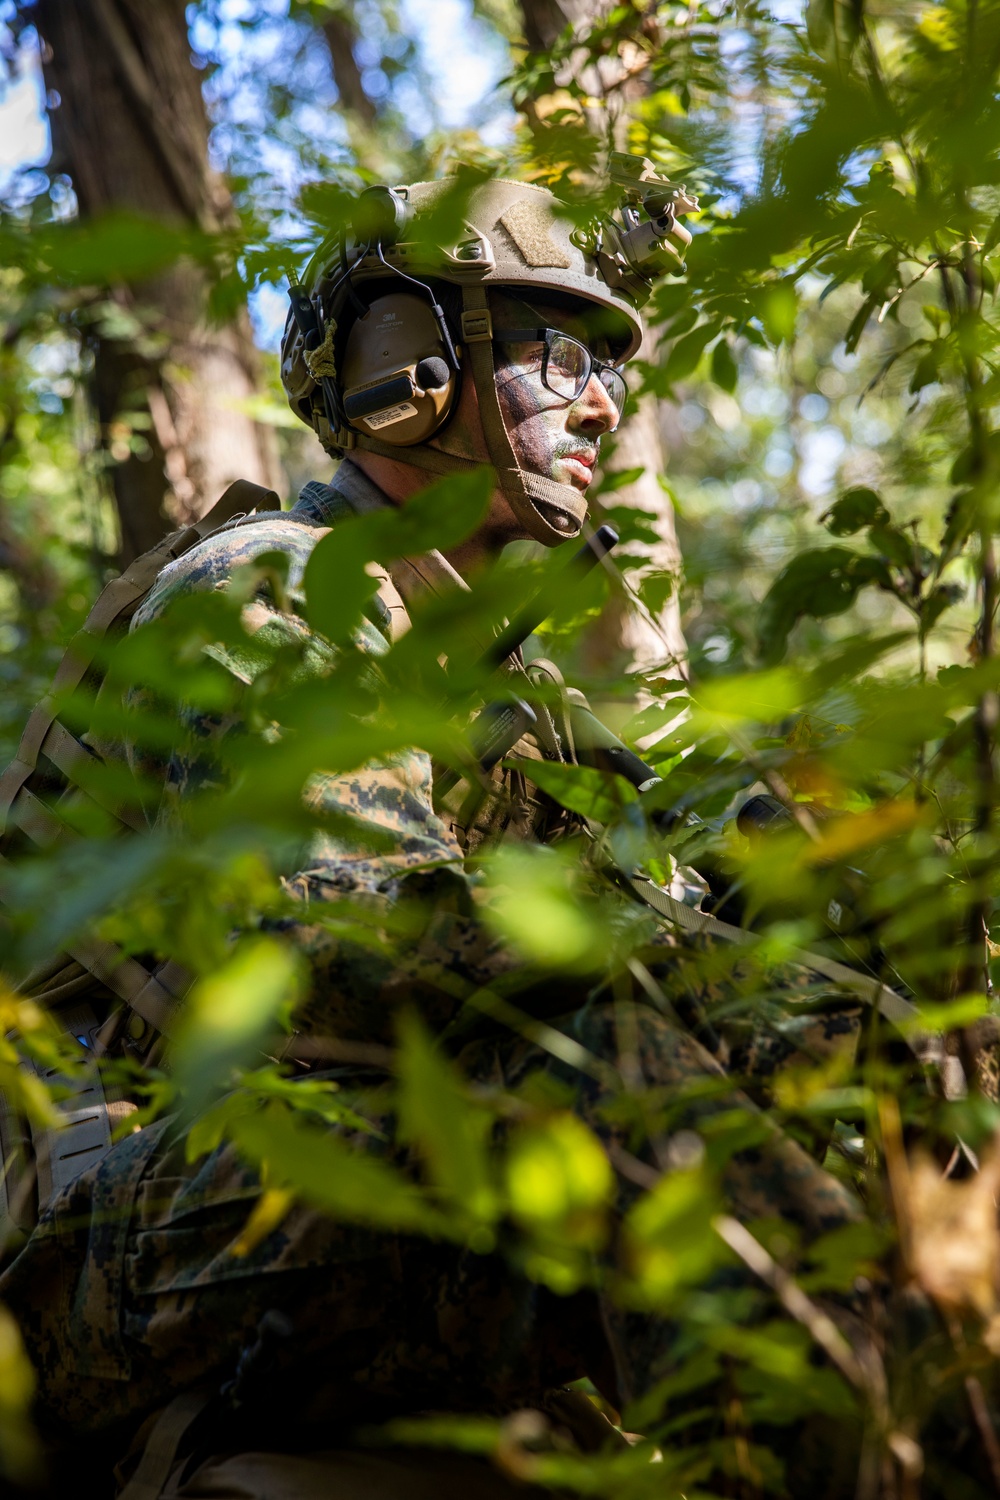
pixel 593 412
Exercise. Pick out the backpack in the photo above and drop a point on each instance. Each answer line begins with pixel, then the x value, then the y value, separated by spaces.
pixel 98 994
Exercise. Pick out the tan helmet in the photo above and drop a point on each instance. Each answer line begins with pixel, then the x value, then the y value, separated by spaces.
pixel 370 360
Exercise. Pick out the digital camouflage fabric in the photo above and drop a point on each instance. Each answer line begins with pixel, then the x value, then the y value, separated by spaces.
pixel 136 1284
pixel 392 798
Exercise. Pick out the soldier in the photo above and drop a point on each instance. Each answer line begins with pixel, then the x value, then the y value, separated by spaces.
pixel 409 360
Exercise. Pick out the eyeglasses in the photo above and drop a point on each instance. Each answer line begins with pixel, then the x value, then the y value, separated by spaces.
pixel 567 365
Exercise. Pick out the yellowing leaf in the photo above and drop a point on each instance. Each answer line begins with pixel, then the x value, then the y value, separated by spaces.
pixel 268 1212
pixel 557 1170
pixel 952 1236
pixel 20 1456
pixel 860 830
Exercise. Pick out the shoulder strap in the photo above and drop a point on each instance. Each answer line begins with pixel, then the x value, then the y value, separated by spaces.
pixel 160 1453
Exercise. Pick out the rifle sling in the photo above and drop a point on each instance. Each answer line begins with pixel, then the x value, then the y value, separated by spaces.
pixel 869 989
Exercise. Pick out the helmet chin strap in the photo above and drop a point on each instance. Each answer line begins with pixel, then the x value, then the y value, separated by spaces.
pixel 551 513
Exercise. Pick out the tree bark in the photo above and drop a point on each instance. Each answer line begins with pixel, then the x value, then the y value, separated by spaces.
pixel 545 19
pixel 623 637
pixel 341 34
pixel 131 131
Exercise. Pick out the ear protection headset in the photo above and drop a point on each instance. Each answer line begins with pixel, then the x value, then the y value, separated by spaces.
pixel 400 371
pixel 399 374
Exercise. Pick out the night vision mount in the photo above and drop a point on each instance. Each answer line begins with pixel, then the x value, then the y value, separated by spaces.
pixel 650 242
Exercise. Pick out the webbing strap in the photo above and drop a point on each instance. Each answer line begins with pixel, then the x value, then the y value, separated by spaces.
pixel 160 1452
pixel 30 814
pixel 868 989
pixel 242 496
pixel 431 459
pixel 534 498
pixel 74 760
pixel 155 997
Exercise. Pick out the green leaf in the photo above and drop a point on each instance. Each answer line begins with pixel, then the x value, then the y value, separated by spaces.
pixel 116 246
pixel 619 478
pixel 927 368
pixel 764 697
pixel 228 1015
pixel 856 509
pixel 437 1116
pixel 337 588
pixel 686 353
pixel 583 789
pixel 670 1239
pixel 778 312
pixel 895 545
pixel 821 582
pixel 332 1174
pixel 725 371
pixel 557 1173
pixel 535 905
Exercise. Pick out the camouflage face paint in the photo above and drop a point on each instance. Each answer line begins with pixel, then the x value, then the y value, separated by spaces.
pixel 544 434
pixel 550 436
pixel 555 438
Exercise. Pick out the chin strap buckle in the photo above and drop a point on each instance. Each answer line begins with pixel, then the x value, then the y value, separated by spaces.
pixel 477 326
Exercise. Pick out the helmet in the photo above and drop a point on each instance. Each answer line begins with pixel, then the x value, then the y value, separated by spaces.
pixel 370 359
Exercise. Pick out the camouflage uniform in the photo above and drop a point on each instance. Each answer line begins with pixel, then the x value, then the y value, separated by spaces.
pixel 130 1290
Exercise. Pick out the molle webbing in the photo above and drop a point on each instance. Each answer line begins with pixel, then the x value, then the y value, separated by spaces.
pixel 154 995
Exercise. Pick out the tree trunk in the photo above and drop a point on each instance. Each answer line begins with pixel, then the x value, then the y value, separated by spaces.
pixel 131 131
pixel 624 637
pixel 341 33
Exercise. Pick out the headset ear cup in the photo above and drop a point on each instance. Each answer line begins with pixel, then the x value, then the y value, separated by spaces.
pixel 399 380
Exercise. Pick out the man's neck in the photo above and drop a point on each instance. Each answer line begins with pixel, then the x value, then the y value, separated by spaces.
pixel 400 481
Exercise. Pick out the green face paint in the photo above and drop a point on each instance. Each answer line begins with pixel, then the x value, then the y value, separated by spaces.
pixel 551 436
pixel 545 432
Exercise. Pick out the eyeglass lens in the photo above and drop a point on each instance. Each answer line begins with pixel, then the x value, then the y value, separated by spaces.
pixel 569 367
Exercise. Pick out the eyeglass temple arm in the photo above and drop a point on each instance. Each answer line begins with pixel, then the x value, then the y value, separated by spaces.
pixel 524 335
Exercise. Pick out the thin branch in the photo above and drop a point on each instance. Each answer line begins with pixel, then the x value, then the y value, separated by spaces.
pixel 341 35
pixel 793 1299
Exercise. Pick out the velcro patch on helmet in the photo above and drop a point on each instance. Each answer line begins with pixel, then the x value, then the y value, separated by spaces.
pixel 530 227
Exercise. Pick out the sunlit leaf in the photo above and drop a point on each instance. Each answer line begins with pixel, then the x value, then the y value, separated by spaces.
pixel 228 1015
